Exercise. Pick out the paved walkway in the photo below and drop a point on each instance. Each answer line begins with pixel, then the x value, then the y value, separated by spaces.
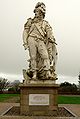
pixel 75 109
pixel 6 106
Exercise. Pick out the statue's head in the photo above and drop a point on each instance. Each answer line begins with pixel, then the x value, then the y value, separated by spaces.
pixel 41 8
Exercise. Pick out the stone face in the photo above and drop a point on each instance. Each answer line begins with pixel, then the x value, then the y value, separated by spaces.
pixel 38 99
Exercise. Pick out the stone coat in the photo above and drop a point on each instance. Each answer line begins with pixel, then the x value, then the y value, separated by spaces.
pixel 40 30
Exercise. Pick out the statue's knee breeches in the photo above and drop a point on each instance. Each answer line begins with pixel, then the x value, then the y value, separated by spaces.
pixel 32 52
pixel 42 50
pixel 32 48
pixel 44 54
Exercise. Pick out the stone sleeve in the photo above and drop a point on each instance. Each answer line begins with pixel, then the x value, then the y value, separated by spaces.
pixel 27 25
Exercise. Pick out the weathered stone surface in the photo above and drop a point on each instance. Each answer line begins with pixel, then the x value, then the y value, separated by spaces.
pixel 38 91
pixel 40 78
pixel 38 38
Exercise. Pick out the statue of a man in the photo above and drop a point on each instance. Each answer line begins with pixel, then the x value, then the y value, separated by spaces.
pixel 39 39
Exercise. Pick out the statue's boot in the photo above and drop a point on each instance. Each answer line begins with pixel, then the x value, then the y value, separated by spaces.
pixel 34 75
pixel 48 74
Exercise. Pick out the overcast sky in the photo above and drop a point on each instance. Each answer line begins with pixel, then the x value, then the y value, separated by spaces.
pixel 63 16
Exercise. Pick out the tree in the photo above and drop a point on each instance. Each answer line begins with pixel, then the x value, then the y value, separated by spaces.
pixel 79 82
pixel 68 88
pixel 3 84
pixel 15 87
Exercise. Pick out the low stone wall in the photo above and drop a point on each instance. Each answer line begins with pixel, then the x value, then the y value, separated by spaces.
pixel 35 117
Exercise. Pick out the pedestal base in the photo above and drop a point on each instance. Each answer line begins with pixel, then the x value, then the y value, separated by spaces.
pixel 38 99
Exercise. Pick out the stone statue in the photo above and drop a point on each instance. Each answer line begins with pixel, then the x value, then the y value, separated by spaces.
pixel 39 40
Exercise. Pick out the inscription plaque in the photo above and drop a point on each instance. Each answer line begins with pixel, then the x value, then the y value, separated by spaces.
pixel 38 99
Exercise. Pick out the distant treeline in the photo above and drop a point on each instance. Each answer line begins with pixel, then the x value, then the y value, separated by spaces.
pixel 13 87
pixel 68 88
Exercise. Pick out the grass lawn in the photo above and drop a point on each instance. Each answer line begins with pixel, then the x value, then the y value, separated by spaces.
pixel 4 97
pixel 68 99
pixel 61 99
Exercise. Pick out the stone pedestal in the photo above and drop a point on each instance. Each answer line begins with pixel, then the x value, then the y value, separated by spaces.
pixel 38 99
